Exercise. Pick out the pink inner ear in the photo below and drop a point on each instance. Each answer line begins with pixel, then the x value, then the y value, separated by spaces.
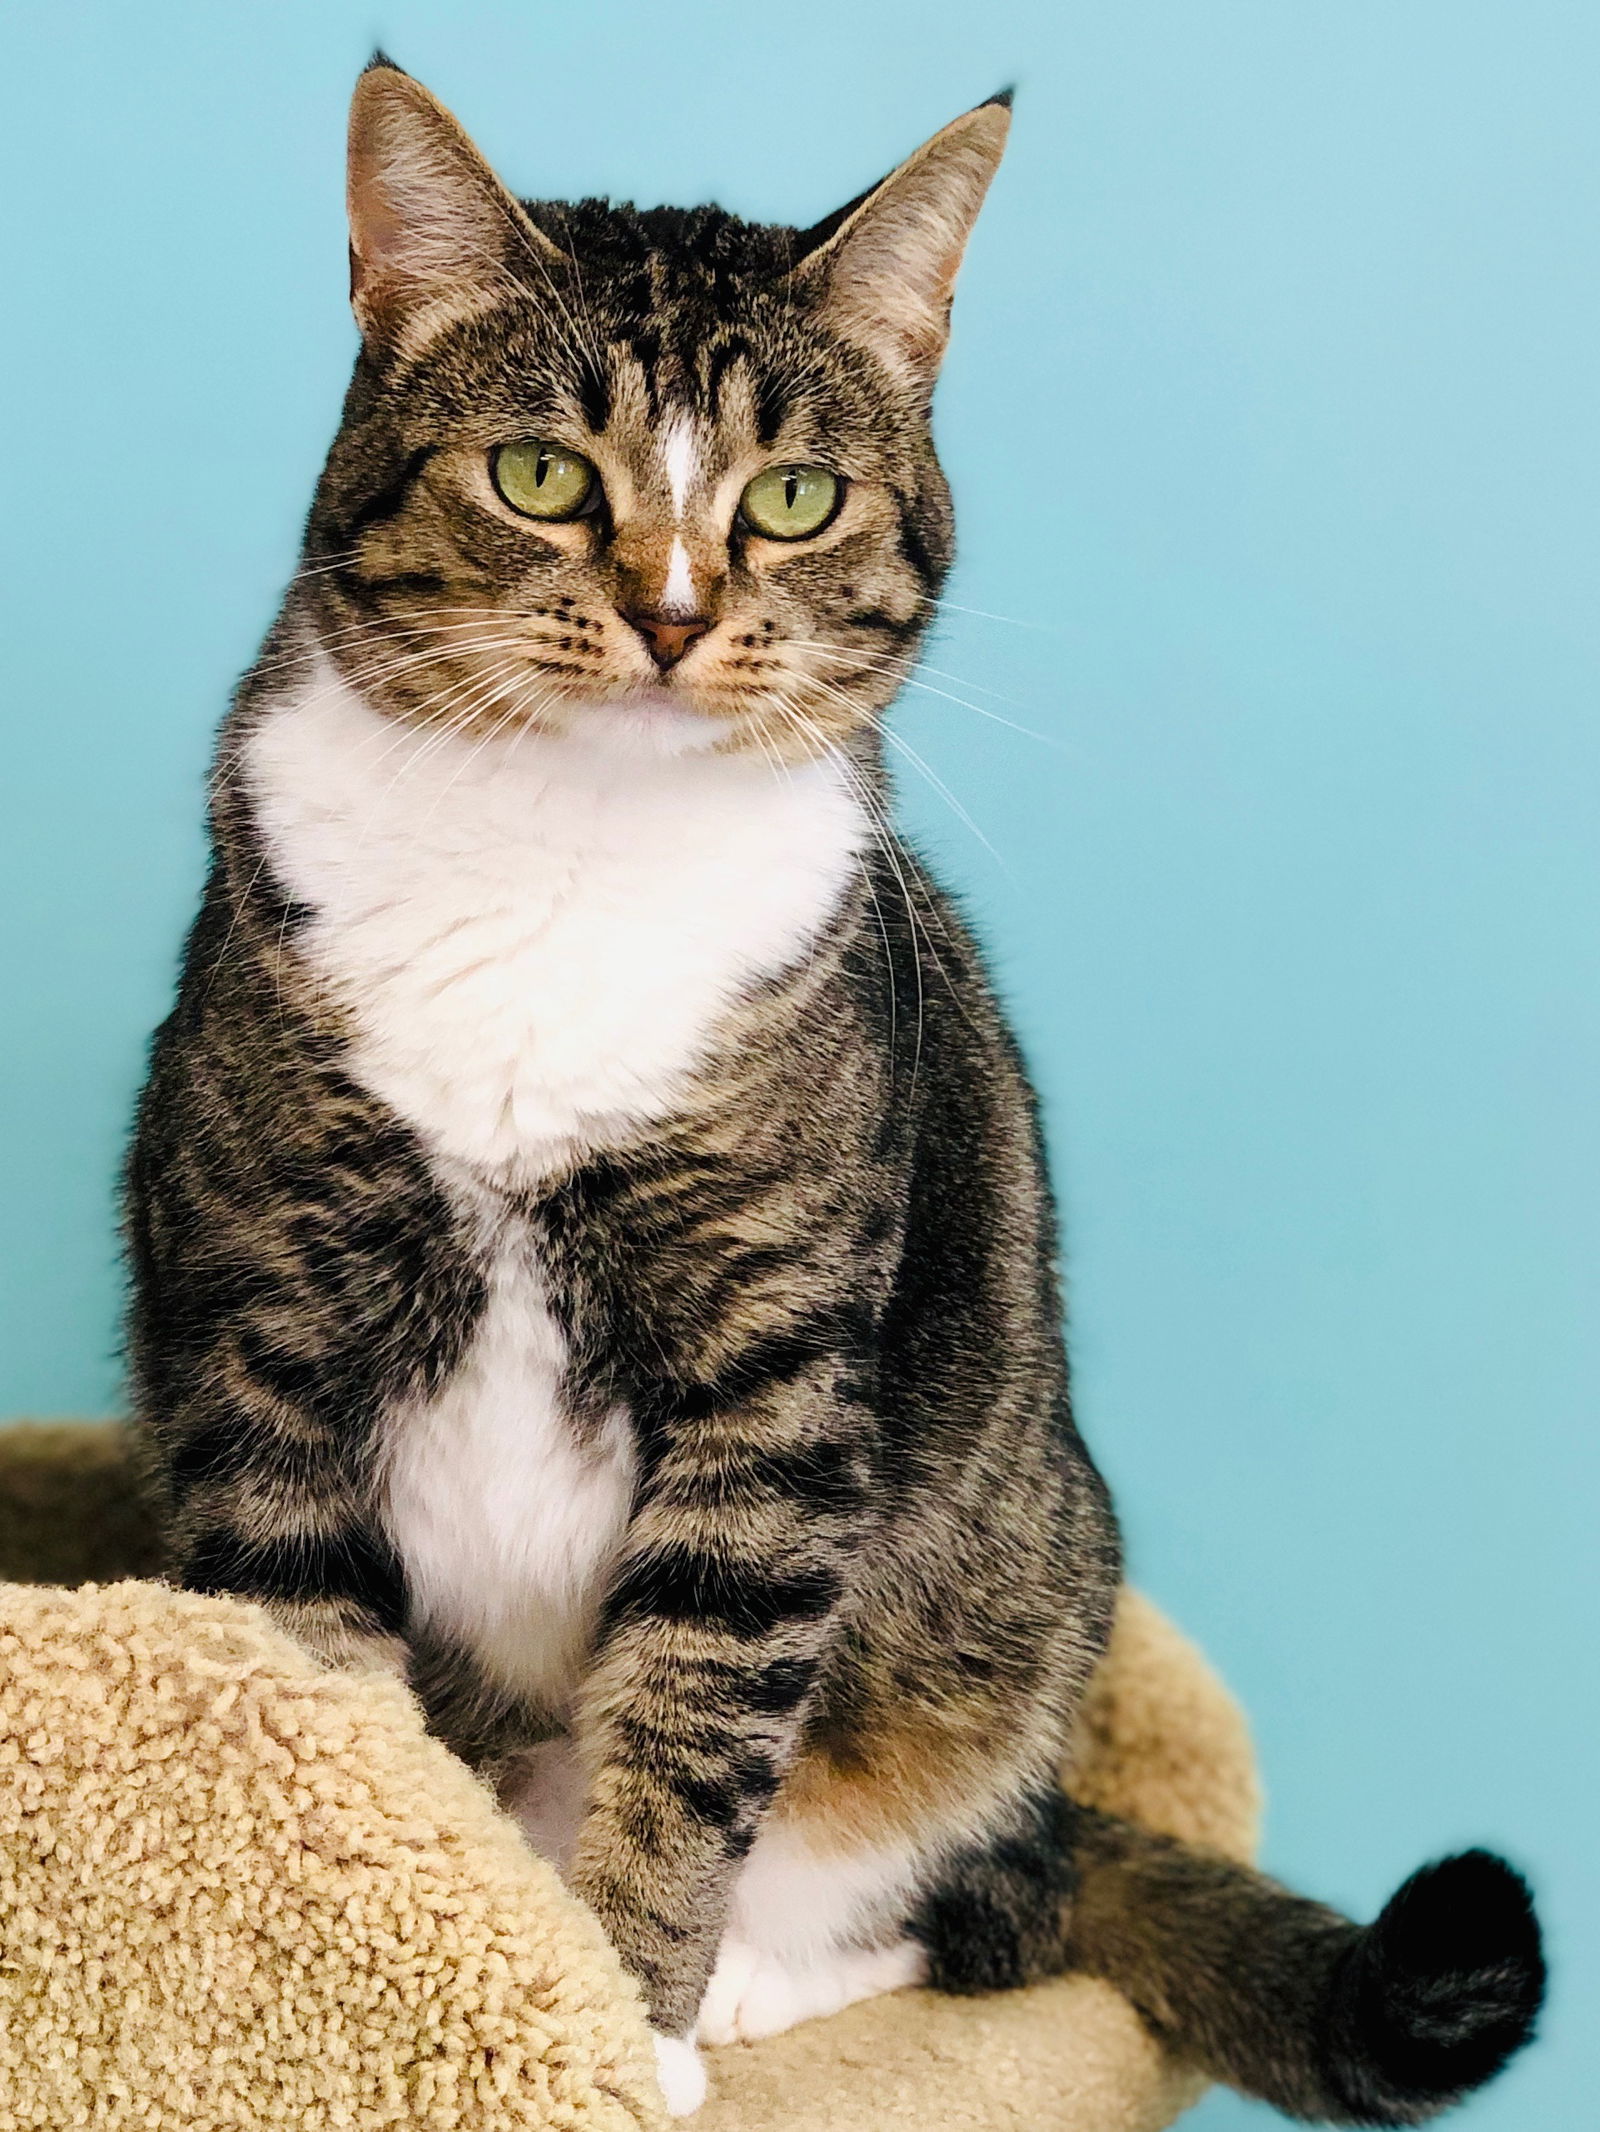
pixel 890 270
pixel 427 214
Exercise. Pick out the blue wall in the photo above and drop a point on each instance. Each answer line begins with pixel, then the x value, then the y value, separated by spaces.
pixel 1272 418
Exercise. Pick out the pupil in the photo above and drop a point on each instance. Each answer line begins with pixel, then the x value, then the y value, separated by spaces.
pixel 791 489
pixel 541 468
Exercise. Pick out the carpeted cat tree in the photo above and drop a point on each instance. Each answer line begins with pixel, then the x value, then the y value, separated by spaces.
pixel 237 1890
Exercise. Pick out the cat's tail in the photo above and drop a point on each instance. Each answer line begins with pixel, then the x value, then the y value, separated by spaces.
pixel 1338 2023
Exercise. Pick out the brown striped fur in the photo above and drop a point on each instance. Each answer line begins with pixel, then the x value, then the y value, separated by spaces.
pixel 869 1566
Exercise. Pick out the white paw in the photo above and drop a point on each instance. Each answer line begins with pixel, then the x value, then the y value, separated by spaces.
pixel 752 1994
pixel 681 2074
pixel 737 1963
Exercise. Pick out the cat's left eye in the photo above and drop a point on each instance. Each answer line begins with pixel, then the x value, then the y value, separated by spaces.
pixel 542 480
pixel 791 502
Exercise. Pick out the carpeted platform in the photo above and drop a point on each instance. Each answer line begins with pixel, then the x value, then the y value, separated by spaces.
pixel 237 1890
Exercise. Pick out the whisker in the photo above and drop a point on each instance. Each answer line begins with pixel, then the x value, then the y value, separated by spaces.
pixel 937 784
pixel 894 851
pixel 375 672
pixel 420 625
pixel 858 785
pixel 518 707
pixel 983 614
pixel 911 679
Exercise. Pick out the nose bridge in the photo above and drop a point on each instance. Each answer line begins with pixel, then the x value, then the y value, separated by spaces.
pixel 670 566
pixel 650 551
pixel 671 560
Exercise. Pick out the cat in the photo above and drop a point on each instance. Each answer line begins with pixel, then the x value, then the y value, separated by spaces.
pixel 592 1247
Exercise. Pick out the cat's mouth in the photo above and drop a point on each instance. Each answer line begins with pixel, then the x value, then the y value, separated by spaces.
pixel 687 711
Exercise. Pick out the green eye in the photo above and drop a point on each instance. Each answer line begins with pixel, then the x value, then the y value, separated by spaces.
pixel 542 480
pixel 789 502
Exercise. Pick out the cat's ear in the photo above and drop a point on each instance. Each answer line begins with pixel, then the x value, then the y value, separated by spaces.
pixel 885 266
pixel 429 220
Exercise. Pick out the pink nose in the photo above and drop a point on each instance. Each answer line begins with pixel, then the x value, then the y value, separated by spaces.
pixel 667 640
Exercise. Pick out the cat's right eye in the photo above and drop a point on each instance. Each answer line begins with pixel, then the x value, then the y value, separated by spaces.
pixel 542 480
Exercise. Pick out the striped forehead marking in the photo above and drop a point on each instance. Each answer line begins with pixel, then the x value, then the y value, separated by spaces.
pixel 678 457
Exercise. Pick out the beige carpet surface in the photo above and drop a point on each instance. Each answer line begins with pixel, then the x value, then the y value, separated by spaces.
pixel 238 1890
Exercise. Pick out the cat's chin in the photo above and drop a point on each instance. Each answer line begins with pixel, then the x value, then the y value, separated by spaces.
pixel 652 722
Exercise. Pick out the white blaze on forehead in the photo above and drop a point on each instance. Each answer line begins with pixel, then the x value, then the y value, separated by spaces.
pixel 677 594
pixel 678 457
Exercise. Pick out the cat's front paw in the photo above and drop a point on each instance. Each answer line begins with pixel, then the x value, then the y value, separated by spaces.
pixel 752 1994
pixel 681 2074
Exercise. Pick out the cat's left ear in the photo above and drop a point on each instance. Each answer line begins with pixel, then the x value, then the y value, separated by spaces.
pixel 884 268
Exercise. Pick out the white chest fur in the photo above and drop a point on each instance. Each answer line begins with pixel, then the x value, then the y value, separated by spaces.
pixel 532 941
pixel 506 1518
pixel 534 938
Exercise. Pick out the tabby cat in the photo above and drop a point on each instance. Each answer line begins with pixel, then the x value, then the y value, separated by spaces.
pixel 592 1246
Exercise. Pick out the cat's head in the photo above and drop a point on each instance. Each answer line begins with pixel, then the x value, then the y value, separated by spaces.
pixel 665 473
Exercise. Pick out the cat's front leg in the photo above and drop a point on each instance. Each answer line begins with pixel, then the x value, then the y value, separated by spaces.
pixel 266 1502
pixel 730 1588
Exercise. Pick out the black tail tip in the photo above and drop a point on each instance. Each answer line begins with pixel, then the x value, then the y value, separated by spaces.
pixel 1438 1993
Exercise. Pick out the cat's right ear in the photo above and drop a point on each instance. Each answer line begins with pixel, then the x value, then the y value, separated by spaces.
pixel 430 223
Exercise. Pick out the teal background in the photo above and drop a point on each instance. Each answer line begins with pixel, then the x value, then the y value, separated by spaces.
pixel 1272 418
